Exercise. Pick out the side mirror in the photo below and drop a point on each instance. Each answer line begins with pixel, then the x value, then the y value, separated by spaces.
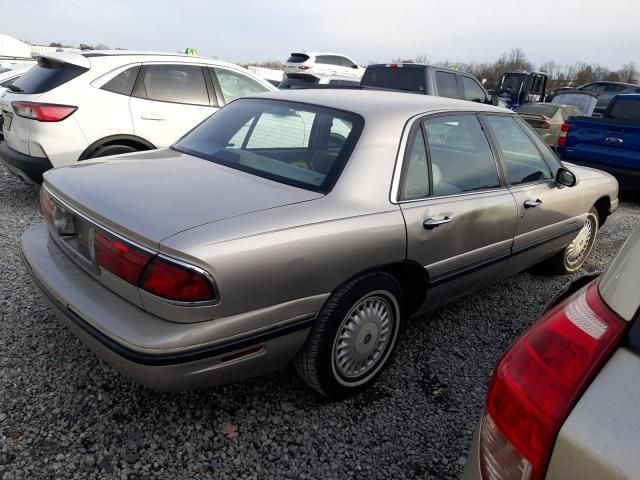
pixel 355 66
pixel 495 101
pixel 566 177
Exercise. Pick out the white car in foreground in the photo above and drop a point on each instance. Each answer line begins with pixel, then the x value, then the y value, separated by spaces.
pixel 75 106
pixel 322 64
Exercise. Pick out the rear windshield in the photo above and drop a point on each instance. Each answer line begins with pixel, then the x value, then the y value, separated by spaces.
pixel 302 145
pixel 46 75
pixel 298 58
pixel 538 109
pixel 290 82
pixel 625 109
pixel 408 79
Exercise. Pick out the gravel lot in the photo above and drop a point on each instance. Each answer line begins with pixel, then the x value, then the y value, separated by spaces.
pixel 66 415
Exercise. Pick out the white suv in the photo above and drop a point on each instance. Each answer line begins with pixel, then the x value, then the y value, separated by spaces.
pixel 74 106
pixel 322 64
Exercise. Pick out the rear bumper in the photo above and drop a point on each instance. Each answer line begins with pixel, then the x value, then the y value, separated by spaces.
pixel 27 168
pixel 86 308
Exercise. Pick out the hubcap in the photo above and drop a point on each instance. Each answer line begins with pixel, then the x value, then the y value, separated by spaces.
pixel 363 337
pixel 579 248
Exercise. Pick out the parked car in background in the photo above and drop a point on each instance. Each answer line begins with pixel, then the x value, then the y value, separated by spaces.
pixel 75 106
pixel 547 118
pixel 8 75
pixel 426 80
pixel 605 91
pixel 519 88
pixel 311 81
pixel 322 64
pixel 563 400
pixel 282 228
pixel 610 143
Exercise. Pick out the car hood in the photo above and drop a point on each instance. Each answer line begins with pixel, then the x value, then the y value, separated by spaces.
pixel 150 196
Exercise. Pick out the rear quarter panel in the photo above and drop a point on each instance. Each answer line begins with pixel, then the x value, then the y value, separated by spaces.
pixel 599 439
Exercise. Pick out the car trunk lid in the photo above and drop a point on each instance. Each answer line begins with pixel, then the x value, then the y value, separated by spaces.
pixel 585 101
pixel 150 196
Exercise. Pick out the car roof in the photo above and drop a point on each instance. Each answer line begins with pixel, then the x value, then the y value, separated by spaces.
pixel 320 53
pixel 606 82
pixel 81 58
pixel 418 65
pixel 380 103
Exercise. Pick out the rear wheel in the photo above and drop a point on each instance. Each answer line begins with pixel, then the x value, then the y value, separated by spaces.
pixel 572 258
pixel 353 337
pixel 112 150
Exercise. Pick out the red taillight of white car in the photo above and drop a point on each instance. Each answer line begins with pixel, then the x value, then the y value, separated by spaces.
pixel 564 133
pixel 538 381
pixel 42 112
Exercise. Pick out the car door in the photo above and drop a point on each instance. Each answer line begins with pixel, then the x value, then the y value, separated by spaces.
pixel 548 214
pixel 460 217
pixel 168 100
pixel 472 90
pixel 326 65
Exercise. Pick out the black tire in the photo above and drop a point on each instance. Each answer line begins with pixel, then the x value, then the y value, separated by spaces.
pixel 316 362
pixel 561 263
pixel 112 150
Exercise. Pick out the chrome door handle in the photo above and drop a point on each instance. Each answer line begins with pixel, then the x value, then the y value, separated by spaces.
pixel 532 203
pixel 152 116
pixel 432 223
pixel 614 140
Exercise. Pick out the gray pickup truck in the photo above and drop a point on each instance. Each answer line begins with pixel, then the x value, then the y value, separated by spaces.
pixel 427 80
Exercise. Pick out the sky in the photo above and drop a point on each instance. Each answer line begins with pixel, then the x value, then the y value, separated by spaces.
pixel 245 31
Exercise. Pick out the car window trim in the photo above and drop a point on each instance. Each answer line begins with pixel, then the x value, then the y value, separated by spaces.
pixel 140 91
pixel 405 147
pixel 498 150
pixel 413 133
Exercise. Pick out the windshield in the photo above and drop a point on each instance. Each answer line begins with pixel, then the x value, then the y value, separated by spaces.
pixel 302 145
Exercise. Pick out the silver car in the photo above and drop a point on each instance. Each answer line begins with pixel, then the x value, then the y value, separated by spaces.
pixel 563 401
pixel 306 225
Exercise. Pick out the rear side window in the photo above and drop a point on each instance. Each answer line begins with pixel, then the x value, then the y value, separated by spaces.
pixel 408 79
pixel 472 91
pixel 520 157
pixel 446 83
pixel 123 82
pixel 175 83
pixel 47 75
pixel 625 110
pixel 613 88
pixel 415 180
pixel 235 85
pixel 461 159
pixel 298 58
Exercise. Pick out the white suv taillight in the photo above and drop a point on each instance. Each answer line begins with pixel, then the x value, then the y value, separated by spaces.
pixel 42 112
pixel 538 381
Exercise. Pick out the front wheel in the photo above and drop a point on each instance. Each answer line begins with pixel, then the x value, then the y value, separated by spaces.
pixel 353 337
pixel 573 257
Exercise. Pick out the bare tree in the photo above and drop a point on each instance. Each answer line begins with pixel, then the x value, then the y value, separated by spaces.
pixel 628 73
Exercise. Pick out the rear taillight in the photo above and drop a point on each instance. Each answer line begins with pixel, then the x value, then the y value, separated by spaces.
pixel 539 379
pixel 305 67
pixel 564 133
pixel 46 205
pixel 175 282
pixel 120 258
pixel 42 112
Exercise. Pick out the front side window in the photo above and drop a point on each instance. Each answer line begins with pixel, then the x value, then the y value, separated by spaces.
pixel 613 88
pixel 175 83
pixel 472 91
pixel 301 145
pixel 328 60
pixel 123 82
pixel 235 85
pixel 461 158
pixel 520 157
pixel 446 83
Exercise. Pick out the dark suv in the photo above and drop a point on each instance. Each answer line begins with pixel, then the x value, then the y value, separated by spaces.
pixel 426 80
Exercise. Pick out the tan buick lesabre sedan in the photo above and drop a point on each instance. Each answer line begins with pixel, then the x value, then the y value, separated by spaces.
pixel 305 226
